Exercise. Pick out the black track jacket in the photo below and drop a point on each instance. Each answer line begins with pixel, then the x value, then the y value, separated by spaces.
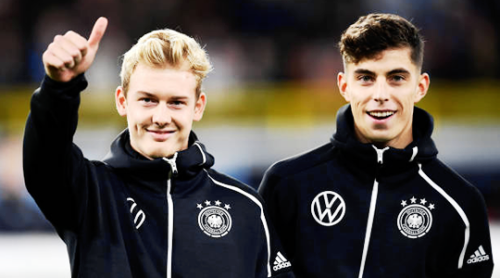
pixel 348 209
pixel 128 216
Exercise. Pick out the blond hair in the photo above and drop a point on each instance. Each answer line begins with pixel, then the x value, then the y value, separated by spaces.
pixel 166 47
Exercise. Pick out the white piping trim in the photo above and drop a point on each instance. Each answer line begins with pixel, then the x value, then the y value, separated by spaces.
pixel 415 151
pixel 202 153
pixel 457 208
pixel 140 215
pixel 132 207
pixel 262 217
pixel 369 226
pixel 170 227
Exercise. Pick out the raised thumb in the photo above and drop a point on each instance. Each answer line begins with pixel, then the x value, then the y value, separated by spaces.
pixel 98 32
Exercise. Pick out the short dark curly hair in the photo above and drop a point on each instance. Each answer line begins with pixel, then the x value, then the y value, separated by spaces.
pixel 376 32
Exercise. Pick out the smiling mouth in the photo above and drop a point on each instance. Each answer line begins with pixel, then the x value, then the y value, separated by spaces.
pixel 380 115
pixel 160 135
pixel 161 131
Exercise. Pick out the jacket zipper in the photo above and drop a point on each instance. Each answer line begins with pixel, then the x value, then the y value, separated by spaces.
pixel 170 204
pixel 371 213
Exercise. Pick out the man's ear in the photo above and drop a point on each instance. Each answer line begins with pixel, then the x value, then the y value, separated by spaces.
pixel 342 84
pixel 121 101
pixel 423 86
pixel 199 106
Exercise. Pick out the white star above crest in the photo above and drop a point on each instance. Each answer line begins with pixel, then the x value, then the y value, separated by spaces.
pixel 227 206
pixel 200 206
pixel 207 203
pixel 217 203
pixel 422 201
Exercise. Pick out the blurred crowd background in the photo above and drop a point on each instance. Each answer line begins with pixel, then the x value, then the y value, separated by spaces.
pixel 252 40
pixel 272 93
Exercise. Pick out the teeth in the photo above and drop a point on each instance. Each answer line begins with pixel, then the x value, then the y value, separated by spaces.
pixel 381 114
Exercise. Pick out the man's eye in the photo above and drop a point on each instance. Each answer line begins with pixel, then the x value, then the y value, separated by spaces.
pixel 177 103
pixel 146 100
pixel 398 78
pixel 365 78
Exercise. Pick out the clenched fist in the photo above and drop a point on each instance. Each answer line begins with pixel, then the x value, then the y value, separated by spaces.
pixel 71 54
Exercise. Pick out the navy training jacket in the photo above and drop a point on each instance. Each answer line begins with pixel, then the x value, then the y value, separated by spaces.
pixel 348 209
pixel 128 216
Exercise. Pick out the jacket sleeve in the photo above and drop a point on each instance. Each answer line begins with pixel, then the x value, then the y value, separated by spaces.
pixel 279 218
pixel 54 168
pixel 477 259
pixel 279 265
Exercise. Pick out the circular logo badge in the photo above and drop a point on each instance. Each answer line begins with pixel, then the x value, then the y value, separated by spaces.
pixel 215 221
pixel 415 221
pixel 328 208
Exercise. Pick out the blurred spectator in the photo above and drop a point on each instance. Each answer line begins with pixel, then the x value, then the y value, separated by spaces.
pixel 11 48
pixel 18 211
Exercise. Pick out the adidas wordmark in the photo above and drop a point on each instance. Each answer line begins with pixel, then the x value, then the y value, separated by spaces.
pixel 281 262
pixel 478 256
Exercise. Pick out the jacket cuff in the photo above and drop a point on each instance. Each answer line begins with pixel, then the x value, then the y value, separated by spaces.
pixel 65 90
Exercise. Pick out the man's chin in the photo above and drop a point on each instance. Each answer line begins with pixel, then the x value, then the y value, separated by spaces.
pixel 156 155
pixel 379 139
pixel 154 150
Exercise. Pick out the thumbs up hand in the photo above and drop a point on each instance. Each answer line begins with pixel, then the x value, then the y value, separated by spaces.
pixel 70 54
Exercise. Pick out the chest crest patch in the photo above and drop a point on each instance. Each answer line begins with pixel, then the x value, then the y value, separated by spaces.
pixel 214 219
pixel 415 218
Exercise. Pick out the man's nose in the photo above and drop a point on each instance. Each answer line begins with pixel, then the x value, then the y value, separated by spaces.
pixel 161 115
pixel 381 91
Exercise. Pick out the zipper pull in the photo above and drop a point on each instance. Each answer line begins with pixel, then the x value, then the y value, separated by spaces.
pixel 380 154
pixel 172 163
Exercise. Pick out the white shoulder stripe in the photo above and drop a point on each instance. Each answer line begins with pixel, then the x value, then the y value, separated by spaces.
pixel 457 208
pixel 202 153
pixel 262 216
pixel 414 154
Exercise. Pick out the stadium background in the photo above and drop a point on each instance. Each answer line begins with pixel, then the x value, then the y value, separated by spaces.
pixel 272 93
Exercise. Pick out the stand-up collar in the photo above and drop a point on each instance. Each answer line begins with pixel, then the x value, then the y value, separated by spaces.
pixel 189 162
pixel 421 149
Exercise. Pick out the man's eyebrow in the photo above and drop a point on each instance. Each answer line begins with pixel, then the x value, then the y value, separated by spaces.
pixel 394 71
pixel 145 93
pixel 364 71
pixel 179 97
pixel 398 71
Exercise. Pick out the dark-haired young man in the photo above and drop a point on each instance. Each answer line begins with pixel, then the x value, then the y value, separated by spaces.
pixel 376 201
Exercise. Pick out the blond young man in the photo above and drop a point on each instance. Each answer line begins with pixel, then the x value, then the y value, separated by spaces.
pixel 376 201
pixel 153 207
